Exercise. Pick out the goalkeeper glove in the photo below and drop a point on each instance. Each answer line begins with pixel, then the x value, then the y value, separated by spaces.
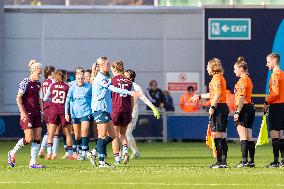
pixel 156 112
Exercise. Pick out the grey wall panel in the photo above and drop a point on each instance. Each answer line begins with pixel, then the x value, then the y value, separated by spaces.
pixel 143 55
pixel 183 55
pixel 22 25
pixel 183 26
pixel 19 51
pixel 2 51
pixel 143 78
pixel 13 80
pixel 10 108
pixel 103 26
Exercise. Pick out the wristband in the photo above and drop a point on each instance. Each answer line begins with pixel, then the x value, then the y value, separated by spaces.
pixel 213 107
pixel 266 103
pixel 199 96
pixel 237 112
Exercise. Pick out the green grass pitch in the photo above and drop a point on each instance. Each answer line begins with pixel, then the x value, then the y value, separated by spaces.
pixel 171 165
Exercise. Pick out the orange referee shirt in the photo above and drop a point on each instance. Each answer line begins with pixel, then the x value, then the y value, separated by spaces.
pixel 217 85
pixel 243 88
pixel 276 88
pixel 230 100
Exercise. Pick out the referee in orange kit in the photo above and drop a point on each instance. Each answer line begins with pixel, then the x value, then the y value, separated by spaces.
pixel 275 105
pixel 218 111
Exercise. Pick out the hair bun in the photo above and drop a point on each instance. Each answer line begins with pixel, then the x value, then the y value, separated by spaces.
pixel 241 59
pixel 34 64
pixel 31 63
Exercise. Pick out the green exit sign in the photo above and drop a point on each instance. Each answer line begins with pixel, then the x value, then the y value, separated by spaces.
pixel 229 28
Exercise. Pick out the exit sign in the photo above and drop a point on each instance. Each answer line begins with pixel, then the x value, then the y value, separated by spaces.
pixel 229 28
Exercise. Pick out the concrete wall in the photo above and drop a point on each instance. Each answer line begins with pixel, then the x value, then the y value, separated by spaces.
pixel 2 64
pixel 152 41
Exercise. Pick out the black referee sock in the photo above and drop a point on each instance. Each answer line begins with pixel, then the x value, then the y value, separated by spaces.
pixel 281 147
pixel 224 149
pixel 244 149
pixel 275 147
pixel 251 149
pixel 218 144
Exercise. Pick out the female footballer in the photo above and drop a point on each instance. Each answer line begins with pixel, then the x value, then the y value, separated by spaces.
pixel 245 112
pixel 30 106
pixel 47 72
pixel 80 95
pixel 57 92
pixel 130 74
pixel 218 111
pixel 102 107
pixel 121 111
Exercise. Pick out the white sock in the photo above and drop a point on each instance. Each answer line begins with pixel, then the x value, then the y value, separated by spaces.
pixel 55 145
pixel 84 151
pixel 131 139
pixel 20 144
pixel 44 142
pixel 94 152
pixel 34 151
pixel 69 151
pixel 132 145
pixel 125 149
pixel 49 149
pixel 101 162
pixel 116 157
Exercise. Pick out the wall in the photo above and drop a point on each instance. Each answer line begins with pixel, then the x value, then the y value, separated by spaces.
pixel 2 64
pixel 151 41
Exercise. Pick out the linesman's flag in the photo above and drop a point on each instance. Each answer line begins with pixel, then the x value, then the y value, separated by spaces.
pixel 263 133
pixel 210 141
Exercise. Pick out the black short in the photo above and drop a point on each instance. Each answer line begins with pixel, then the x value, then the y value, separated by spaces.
pixel 220 118
pixel 91 118
pixel 246 116
pixel 275 117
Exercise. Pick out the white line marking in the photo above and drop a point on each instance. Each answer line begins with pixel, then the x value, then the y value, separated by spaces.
pixel 155 184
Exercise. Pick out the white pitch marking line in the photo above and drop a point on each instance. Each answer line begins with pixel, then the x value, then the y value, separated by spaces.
pixel 156 184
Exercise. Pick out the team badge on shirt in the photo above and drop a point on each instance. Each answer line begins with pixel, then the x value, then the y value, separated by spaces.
pixel 104 81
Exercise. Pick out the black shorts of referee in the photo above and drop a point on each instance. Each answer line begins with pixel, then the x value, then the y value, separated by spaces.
pixel 276 117
pixel 220 118
pixel 246 116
